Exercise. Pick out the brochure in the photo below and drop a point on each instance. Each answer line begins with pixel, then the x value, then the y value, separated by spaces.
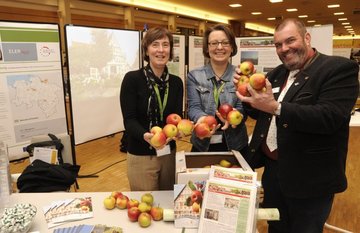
pixel 62 211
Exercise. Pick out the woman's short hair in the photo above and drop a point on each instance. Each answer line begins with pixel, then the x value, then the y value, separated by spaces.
pixel 229 34
pixel 153 34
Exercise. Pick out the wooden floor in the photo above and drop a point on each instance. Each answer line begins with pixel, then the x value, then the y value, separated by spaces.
pixel 103 158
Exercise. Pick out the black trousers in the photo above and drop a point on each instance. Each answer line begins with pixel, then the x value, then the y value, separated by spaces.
pixel 296 215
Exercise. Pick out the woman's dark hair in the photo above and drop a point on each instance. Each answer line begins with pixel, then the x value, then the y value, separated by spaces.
pixel 153 34
pixel 229 34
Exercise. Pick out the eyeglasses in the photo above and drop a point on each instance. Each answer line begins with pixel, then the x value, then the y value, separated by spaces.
pixel 215 44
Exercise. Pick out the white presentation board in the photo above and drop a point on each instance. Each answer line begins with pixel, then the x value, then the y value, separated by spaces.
pixel 195 49
pixel 321 38
pixel 98 59
pixel 32 99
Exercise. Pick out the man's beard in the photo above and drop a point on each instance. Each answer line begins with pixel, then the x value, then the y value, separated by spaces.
pixel 297 62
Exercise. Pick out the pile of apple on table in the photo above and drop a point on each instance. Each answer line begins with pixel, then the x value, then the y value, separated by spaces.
pixel 141 211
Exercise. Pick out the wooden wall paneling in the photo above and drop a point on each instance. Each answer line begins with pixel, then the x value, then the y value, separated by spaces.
pixel 27 15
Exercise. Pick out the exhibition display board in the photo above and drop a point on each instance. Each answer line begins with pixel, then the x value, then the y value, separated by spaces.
pixel 98 59
pixel 32 99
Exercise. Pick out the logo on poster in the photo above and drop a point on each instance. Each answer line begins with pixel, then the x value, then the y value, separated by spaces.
pixel 46 51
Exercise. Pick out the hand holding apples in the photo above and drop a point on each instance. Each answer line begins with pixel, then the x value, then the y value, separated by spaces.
pixel 206 126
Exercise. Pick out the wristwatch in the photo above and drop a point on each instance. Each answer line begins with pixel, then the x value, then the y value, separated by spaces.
pixel 277 111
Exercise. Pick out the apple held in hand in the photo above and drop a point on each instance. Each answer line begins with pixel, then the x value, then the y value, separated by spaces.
pixel 210 121
pixel 132 203
pixel 170 130
pixel 133 213
pixel 202 130
pixel 155 129
pixel 234 117
pixel 144 219
pixel 257 81
pixel 156 213
pixel 147 198
pixel 109 203
pixel 242 89
pixel 158 140
pixel 224 109
pixel 173 118
pixel 185 126
pixel 247 67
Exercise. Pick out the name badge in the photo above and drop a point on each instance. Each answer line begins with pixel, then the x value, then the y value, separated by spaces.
pixel 216 138
pixel 164 151
pixel 276 89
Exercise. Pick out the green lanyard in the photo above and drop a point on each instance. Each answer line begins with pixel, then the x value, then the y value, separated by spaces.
pixel 162 104
pixel 217 91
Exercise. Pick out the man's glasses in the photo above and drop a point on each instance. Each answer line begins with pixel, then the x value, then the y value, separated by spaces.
pixel 215 44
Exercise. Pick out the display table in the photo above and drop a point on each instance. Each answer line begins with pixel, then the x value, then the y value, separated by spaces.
pixel 115 217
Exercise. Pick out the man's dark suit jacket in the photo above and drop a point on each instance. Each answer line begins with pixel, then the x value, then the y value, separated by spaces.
pixel 313 127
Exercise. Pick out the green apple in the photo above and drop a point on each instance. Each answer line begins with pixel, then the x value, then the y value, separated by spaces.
pixel 185 126
pixel 144 207
pixel 147 198
pixel 234 117
pixel 170 130
pixel 247 67
pixel 109 203
pixel 144 219
pixel 225 163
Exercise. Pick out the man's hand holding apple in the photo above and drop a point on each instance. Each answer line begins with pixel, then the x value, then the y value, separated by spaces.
pixel 259 99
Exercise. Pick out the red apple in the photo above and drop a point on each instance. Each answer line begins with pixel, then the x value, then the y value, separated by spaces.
pixel 158 140
pixel 211 121
pixel 202 130
pixel 144 219
pixel 224 109
pixel 185 126
pixel 155 129
pixel 247 67
pixel 234 117
pixel 242 89
pixel 132 203
pixel 116 194
pixel 257 81
pixel 156 213
pixel 133 213
pixel 170 130
pixel 121 202
pixel 196 196
pixel 173 118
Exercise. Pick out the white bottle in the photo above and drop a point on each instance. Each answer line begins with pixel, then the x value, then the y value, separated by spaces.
pixel 5 178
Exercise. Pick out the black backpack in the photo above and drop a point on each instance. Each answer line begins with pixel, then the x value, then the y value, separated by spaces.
pixel 41 176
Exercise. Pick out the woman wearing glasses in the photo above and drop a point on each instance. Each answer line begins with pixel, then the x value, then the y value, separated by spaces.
pixel 210 86
pixel 147 97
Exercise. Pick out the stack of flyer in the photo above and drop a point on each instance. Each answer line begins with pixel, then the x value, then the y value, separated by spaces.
pixel 230 201
pixel 62 211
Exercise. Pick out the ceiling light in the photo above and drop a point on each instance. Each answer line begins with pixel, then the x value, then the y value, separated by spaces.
pixel 348 26
pixel 338 13
pixel 346 23
pixel 311 21
pixel 176 9
pixel 235 5
pixel 302 16
pixel 260 28
pixel 317 25
pixel 273 18
pixel 256 13
pixel 275 1
pixel 342 19
pixel 333 6
pixel 291 10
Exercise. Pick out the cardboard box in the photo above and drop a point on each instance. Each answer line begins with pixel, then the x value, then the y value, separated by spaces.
pixel 190 165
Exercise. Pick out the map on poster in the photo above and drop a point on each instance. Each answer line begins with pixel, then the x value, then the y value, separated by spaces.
pixel 32 99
